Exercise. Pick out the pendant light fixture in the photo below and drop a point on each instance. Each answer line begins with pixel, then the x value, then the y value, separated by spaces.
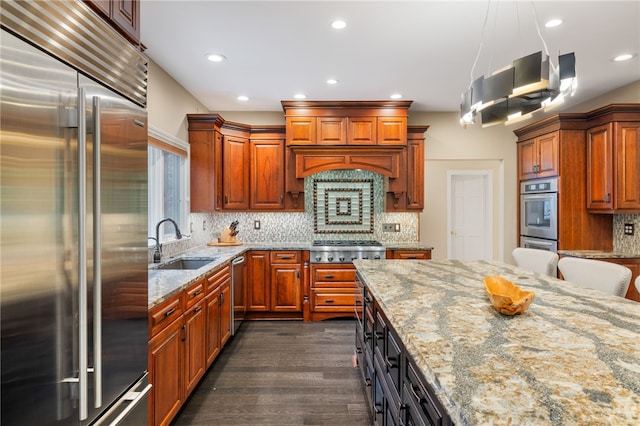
pixel 515 92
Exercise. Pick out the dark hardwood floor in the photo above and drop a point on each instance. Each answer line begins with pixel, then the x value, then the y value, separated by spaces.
pixel 282 373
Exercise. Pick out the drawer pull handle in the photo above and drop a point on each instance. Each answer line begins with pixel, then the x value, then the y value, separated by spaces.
pixel 329 300
pixel 169 312
pixel 198 309
pixel 328 277
pixel 197 293
pixel 286 257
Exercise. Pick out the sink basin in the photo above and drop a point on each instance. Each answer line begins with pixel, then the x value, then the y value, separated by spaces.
pixel 186 263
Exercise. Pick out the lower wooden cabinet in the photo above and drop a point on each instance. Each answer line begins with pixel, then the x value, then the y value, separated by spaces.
pixel 409 254
pixel 332 291
pixel 166 354
pixel 187 333
pixel 274 284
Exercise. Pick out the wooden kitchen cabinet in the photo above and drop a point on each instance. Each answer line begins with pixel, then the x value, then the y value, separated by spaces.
pixel 301 130
pixel 235 168
pixel 267 174
pixel 538 157
pixel 613 168
pixel 415 174
pixel 392 131
pixel 408 254
pixel 123 15
pixel 218 314
pixel 286 283
pixel 331 131
pixel 332 291
pixel 194 345
pixel 362 130
pixel 258 275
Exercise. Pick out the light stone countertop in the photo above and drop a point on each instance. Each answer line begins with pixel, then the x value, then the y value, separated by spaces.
pixel 164 284
pixel 573 358
pixel 599 254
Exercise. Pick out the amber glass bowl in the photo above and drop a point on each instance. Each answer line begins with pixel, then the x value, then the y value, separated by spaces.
pixel 506 297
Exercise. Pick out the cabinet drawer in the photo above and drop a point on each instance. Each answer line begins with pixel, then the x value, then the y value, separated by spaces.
pixel 285 256
pixel 164 314
pixel 194 293
pixel 333 275
pixel 333 300
pixel 217 277
pixel 412 254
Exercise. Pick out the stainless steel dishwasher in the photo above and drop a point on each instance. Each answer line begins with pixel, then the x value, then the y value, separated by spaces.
pixel 238 290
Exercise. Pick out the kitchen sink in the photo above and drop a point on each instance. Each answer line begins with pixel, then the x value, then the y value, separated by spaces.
pixel 186 263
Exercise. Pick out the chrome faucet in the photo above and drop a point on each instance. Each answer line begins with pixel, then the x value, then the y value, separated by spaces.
pixel 157 252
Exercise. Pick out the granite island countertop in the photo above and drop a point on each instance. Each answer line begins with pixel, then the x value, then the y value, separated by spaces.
pixel 573 358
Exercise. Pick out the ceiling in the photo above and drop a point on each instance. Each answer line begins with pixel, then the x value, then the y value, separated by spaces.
pixel 424 50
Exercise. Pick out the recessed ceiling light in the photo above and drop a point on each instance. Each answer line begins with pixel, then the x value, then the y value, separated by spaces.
pixel 242 98
pixel 623 57
pixel 300 96
pixel 396 96
pixel 553 23
pixel 332 81
pixel 338 24
pixel 216 57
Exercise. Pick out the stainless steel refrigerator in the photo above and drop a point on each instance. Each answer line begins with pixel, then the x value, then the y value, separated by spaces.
pixel 73 235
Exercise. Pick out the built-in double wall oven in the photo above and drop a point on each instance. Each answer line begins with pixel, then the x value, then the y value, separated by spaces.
pixel 539 214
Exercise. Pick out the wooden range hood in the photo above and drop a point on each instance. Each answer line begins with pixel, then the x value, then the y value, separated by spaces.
pixel 311 160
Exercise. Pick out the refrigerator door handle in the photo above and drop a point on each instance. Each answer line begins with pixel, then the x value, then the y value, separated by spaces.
pixel 97 258
pixel 83 339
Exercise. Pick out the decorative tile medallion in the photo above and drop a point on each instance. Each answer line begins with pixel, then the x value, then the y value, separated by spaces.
pixel 343 205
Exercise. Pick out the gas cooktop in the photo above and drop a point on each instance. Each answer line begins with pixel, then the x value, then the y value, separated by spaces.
pixel 346 243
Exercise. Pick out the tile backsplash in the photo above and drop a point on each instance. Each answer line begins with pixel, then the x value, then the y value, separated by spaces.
pixel 626 243
pixel 298 227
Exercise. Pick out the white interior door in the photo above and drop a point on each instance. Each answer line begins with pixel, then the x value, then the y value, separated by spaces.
pixel 469 208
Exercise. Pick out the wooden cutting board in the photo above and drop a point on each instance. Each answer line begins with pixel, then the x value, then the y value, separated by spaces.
pixel 212 243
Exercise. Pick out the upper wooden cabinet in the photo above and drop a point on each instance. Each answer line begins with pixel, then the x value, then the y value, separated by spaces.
pixel 267 173
pixel 613 167
pixel 123 15
pixel 346 122
pixel 538 157
pixel 235 172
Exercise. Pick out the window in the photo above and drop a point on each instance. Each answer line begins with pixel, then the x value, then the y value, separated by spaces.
pixel 168 186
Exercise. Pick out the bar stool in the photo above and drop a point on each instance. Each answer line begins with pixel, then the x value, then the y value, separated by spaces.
pixel 607 277
pixel 638 283
pixel 540 261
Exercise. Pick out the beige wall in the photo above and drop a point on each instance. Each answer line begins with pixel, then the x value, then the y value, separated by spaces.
pixel 448 146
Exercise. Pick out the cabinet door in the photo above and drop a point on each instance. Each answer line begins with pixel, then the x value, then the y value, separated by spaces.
pixel 627 166
pixel 235 153
pixel 392 130
pixel 165 374
pixel 362 130
pixel 547 155
pixel 600 168
pixel 527 159
pixel 258 293
pixel 331 131
pixel 301 130
pixel 285 288
pixel 225 311
pixel 415 174
pixel 412 254
pixel 267 174
pixel 195 343
pixel 126 15
pixel 202 170
pixel 213 345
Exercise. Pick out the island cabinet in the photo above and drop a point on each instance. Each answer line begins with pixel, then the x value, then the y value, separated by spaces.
pixel 275 284
pixel 186 334
pixel 396 391
pixel 613 167
pixel 331 292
